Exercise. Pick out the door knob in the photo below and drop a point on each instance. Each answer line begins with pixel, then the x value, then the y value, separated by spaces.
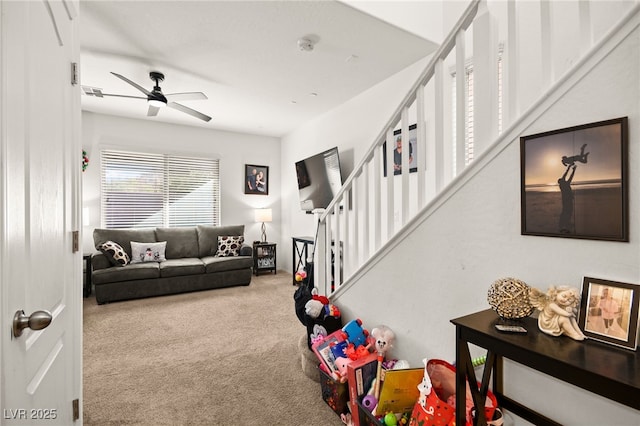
pixel 36 321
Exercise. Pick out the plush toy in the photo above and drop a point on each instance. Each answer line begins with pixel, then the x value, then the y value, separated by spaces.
pixel 383 337
pixel 346 419
pixel 313 308
pixel 341 364
pixel 300 275
pixel 316 306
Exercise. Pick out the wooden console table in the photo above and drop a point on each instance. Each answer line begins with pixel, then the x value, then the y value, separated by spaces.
pixel 605 370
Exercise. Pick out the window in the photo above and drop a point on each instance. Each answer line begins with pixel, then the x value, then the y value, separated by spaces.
pixel 158 190
pixel 469 136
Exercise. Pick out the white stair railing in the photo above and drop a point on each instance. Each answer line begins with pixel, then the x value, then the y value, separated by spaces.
pixel 505 68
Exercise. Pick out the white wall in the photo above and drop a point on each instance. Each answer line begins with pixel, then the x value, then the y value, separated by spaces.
pixel 352 127
pixel 444 268
pixel 233 149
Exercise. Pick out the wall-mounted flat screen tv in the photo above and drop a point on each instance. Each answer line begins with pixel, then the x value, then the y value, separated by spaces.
pixel 319 179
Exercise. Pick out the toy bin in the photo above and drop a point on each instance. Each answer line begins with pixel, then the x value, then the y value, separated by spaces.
pixel 334 393
pixel 365 418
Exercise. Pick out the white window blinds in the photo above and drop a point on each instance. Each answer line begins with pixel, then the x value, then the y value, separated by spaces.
pixel 154 190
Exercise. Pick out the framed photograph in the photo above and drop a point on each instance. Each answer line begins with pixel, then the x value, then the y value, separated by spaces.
pixel 574 182
pixel 398 151
pixel 256 179
pixel 609 312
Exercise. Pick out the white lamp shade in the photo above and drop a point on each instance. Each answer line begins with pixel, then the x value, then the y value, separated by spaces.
pixel 263 215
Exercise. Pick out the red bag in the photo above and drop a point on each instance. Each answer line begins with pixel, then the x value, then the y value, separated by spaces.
pixel 438 407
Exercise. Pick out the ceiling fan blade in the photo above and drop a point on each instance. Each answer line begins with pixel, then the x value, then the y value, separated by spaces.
pixel 123 96
pixel 187 96
pixel 136 85
pixel 153 111
pixel 189 111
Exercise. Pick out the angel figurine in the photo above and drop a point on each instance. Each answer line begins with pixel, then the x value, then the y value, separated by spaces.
pixel 558 308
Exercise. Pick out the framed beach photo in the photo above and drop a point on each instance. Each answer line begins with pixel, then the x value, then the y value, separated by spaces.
pixel 256 179
pixel 574 182
pixel 609 312
pixel 399 151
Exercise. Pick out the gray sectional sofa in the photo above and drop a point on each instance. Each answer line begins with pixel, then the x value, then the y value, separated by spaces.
pixel 192 262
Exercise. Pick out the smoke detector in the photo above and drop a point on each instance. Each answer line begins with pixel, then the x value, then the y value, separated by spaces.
pixel 305 45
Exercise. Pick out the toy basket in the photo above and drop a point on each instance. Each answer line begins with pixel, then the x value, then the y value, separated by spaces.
pixel 439 407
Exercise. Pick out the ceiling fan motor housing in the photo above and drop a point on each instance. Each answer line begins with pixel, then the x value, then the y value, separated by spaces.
pixel 156 93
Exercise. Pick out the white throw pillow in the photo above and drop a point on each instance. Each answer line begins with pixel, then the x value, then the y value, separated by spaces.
pixel 229 245
pixel 115 253
pixel 148 252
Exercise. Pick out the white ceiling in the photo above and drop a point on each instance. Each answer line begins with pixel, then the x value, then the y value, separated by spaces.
pixel 242 54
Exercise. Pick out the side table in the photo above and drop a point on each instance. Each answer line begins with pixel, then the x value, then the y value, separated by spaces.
pixel 264 257
pixel 86 288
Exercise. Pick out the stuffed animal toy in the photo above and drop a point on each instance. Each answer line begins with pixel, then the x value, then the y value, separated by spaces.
pixel 341 364
pixel 383 337
pixel 313 308
pixel 316 306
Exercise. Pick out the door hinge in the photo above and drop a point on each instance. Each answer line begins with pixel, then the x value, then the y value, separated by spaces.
pixel 75 235
pixel 74 73
pixel 76 409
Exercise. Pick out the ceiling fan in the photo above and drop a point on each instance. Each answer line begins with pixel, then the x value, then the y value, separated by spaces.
pixel 155 98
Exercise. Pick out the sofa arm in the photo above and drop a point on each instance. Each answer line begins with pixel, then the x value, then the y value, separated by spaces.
pixel 246 250
pixel 100 261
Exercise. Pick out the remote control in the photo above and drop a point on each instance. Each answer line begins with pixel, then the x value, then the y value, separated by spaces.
pixel 511 328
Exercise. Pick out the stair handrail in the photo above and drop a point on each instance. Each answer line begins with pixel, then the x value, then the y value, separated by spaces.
pixel 443 51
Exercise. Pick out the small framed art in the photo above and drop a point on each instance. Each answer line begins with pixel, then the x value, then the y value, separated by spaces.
pixel 609 312
pixel 398 152
pixel 256 179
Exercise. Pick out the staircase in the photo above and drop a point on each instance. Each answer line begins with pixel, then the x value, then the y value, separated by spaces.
pixel 516 59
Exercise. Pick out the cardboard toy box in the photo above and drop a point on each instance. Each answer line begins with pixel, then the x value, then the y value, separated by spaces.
pixel 334 393
pixel 360 375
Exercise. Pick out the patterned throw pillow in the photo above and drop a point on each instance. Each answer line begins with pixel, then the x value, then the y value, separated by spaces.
pixel 229 245
pixel 115 253
pixel 148 252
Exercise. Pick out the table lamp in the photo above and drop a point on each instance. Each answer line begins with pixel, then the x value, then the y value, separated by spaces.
pixel 263 215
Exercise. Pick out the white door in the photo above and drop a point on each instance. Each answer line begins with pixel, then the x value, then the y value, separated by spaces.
pixel 40 168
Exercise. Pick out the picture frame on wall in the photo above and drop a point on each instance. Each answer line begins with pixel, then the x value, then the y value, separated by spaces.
pixel 398 151
pixel 574 182
pixel 609 312
pixel 256 179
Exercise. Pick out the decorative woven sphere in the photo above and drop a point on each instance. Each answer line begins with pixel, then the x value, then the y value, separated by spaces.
pixel 509 297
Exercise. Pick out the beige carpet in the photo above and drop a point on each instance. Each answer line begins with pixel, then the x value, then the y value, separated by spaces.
pixel 219 357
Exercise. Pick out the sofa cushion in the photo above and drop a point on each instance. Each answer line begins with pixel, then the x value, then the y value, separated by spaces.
pixel 208 237
pixel 124 237
pixel 115 253
pixel 219 264
pixel 136 271
pixel 229 245
pixel 179 267
pixel 181 242
pixel 148 252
